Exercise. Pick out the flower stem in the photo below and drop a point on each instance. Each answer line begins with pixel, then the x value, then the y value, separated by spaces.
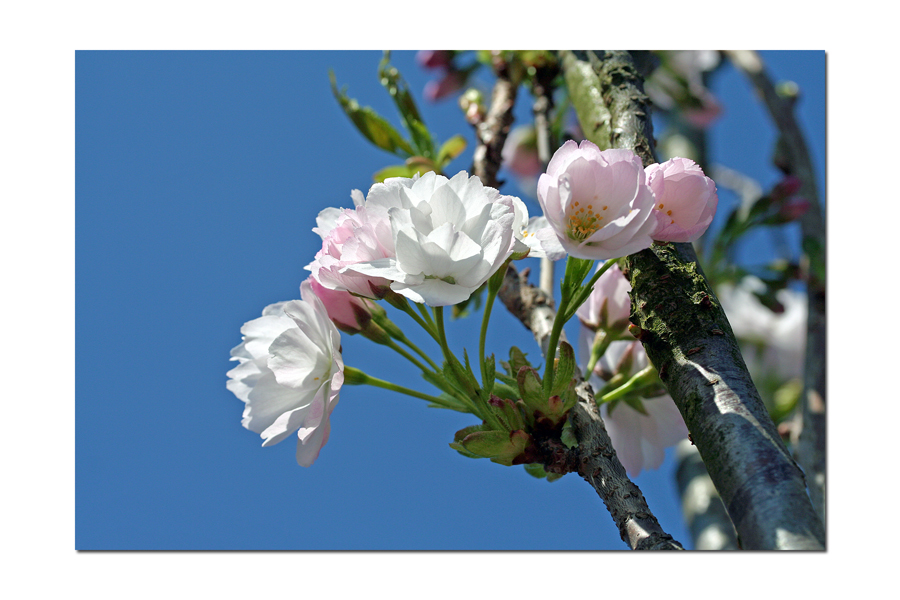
pixel 399 350
pixel 488 305
pixel 602 340
pixel 360 378
pixel 464 380
pixel 417 350
pixel 426 325
pixel 641 379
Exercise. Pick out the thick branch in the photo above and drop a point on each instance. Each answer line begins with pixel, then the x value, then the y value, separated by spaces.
pixel 704 513
pixel 584 90
pixel 689 340
pixel 811 452
pixel 594 455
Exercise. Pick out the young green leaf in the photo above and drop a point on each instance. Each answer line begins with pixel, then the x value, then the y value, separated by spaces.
pixel 409 113
pixel 372 125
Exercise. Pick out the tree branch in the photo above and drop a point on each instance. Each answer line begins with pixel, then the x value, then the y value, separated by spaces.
pixel 688 338
pixel 594 457
pixel 542 90
pixel 492 131
pixel 704 513
pixel 810 451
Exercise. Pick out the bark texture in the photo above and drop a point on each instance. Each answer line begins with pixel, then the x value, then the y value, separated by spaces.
pixel 492 131
pixel 704 513
pixel 688 338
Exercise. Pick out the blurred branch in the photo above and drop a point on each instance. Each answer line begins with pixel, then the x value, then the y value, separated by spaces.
pixel 491 132
pixel 704 513
pixel 795 160
pixel 594 457
pixel 584 90
pixel 688 338
pixel 542 90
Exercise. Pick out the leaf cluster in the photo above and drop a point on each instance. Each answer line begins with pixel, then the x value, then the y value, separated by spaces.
pixel 418 147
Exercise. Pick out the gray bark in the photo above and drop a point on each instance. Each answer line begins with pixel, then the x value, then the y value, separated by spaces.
pixel 688 338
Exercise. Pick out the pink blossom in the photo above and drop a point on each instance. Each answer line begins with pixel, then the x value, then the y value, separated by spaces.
pixel 450 235
pixel 452 81
pixel 794 208
pixel 640 440
pixel 706 113
pixel 352 236
pixel 349 313
pixel 433 59
pixel 609 305
pixel 520 152
pixel 597 202
pixel 773 344
pixel 686 200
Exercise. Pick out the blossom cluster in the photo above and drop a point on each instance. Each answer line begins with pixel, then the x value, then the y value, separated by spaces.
pixel 435 241
pixel 604 204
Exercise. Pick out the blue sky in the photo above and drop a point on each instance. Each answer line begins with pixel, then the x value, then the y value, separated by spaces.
pixel 198 179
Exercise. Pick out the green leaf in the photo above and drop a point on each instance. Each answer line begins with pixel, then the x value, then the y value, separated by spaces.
pixel 536 470
pixel 503 377
pixel 409 113
pixel 372 125
pixel 450 150
pixel 567 436
pixel 530 386
pixel 490 369
pixel 438 381
pixel 505 391
pixel 459 448
pixel 450 403
pixel 507 412
pixel 635 402
pixel 564 370
pixel 487 443
pixel 393 171
pixel 517 360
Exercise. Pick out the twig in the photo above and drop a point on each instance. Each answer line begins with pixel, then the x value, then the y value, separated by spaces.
pixel 492 131
pixel 811 450
pixel 594 456
pixel 688 338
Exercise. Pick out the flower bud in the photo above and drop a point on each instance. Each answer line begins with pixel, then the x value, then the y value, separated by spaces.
pixel 349 313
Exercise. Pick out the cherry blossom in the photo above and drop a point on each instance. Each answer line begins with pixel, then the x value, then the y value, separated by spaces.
pixel 289 373
pixel 597 202
pixel 686 200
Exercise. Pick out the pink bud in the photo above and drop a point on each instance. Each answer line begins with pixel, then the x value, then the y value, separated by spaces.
pixel 686 200
pixel 520 153
pixel 609 305
pixel 349 313
pixel 794 208
pixel 785 188
pixel 704 115
pixel 433 59
pixel 443 87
